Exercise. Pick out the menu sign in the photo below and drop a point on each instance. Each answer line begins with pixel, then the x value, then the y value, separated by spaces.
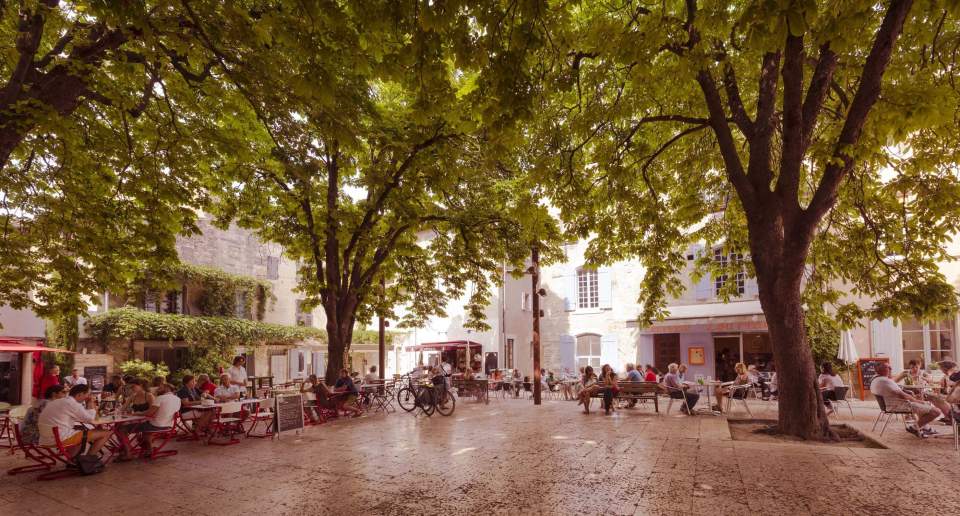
pixel 288 413
pixel 96 377
pixel 866 372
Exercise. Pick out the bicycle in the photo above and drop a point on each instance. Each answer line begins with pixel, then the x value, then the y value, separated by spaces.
pixel 413 396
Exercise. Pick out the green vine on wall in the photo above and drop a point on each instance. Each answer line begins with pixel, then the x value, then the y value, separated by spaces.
pixel 218 290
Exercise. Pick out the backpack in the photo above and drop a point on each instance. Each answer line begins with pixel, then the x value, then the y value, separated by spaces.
pixel 87 464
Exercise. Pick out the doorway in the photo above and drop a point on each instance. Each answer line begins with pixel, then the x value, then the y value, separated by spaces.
pixel 727 354
pixel 666 351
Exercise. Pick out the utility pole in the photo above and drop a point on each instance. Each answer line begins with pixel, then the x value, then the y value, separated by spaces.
pixel 535 295
pixel 382 336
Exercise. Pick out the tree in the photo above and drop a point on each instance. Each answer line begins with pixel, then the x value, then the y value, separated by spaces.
pixel 96 146
pixel 818 138
pixel 373 142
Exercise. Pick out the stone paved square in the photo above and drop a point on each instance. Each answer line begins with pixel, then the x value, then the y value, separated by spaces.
pixel 510 457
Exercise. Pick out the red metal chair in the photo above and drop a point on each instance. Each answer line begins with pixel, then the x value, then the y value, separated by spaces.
pixel 229 425
pixel 159 440
pixel 41 462
pixel 264 415
pixel 59 454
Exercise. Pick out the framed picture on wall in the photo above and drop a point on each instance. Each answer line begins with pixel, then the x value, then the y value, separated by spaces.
pixel 696 356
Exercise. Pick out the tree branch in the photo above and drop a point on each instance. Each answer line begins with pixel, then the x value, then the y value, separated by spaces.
pixel 740 116
pixel 791 154
pixel 866 96
pixel 728 148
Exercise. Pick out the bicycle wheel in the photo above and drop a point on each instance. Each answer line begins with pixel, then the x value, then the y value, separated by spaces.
pixel 445 408
pixel 425 401
pixel 407 399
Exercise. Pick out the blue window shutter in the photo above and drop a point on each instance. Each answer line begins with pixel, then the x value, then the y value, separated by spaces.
pixel 568 357
pixel 605 288
pixel 570 291
pixel 608 352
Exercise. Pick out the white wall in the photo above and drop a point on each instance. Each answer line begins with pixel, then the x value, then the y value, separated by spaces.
pixel 21 323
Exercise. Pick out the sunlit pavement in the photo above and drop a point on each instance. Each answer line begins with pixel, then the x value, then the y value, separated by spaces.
pixel 510 457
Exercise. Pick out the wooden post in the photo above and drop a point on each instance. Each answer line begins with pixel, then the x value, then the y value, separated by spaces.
pixel 536 324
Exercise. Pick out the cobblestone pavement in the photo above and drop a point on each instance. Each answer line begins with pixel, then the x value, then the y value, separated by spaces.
pixel 510 457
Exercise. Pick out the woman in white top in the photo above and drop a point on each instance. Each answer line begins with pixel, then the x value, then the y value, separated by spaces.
pixel 829 381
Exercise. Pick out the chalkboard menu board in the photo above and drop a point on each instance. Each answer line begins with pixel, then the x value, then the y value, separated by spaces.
pixel 288 413
pixel 96 377
pixel 866 372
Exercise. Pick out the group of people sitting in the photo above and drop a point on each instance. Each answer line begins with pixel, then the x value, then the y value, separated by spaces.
pixel 913 390
pixel 343 396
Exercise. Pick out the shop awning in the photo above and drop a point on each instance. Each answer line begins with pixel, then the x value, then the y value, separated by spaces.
pixel 449 345
pixel 9 345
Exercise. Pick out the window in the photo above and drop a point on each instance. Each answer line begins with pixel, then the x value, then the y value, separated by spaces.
pixel 171 303
pixel 588 351
pixel 273 267
pixel 240 305
pixel 525 302
pixel 729 260
pixel 927 342
pixel 303 317
pixel 508 354
pixel 588 289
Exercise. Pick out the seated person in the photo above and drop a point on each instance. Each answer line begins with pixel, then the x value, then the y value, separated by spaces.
pixel 156 383
pixel 828 381
pixel 190 396
pixel 139 399
pixel 345 385
pixel 115 385
pixel 914 375
pixel 28 427
pixel 205 386
pixel 160 417
pixel 651 373
pixel 896 398
pixel 227 390
pixel 679 390
pixel 726 389
pixel 632 374
pixel 590 387
pixel 682 372
pixel 65 414
pixel 308 389
pixel 948 367
pixel 371 376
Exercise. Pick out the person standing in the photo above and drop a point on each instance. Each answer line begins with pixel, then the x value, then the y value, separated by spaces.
pixel 51 378
pixel 74 379
pixel 238 372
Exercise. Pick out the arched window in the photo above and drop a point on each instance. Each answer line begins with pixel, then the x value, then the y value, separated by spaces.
pixel 588 288
pixel 588 350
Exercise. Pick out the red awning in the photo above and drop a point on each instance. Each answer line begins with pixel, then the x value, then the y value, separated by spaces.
pixel 26 346
pixel 449 345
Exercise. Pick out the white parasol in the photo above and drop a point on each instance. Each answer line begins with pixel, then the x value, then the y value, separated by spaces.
pixel 848 350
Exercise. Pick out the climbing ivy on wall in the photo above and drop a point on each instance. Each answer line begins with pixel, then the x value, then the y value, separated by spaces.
pixel 219 291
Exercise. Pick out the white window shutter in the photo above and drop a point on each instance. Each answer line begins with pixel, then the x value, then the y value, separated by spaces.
pixel 293 359
pixel 568 358
pixel 605 288
pixel 570 291
pixel 608 352
pixel 318 365
pixel 750 287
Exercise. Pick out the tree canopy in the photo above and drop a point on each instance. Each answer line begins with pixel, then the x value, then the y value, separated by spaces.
pixel 97 149
pixel 373 141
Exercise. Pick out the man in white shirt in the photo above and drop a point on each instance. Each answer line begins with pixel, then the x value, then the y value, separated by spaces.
pixel 66 413
pixel 74 379
pixel 227 390
pixel 896 398
pixel 371 376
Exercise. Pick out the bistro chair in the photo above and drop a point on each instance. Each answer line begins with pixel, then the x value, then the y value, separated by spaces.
pixel 842 394
pixel 671 392
pixel 227 422
pixel 158 440
pixel 901 411
pixel 261 414
pixel 739 393
pixel 40 460
pixel 58 453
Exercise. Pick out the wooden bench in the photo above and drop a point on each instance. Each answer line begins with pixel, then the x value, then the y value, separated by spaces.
pixel 641 391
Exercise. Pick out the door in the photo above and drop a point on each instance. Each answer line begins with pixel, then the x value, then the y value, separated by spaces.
pixel 490 363
pixel 727 353
pixel 666 350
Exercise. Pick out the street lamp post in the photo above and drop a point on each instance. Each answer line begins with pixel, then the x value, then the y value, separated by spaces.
pixel 535 275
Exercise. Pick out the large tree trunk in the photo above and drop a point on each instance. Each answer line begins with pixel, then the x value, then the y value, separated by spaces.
pixel 779 258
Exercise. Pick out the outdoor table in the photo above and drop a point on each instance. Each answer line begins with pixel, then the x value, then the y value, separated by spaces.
pixel 709 386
